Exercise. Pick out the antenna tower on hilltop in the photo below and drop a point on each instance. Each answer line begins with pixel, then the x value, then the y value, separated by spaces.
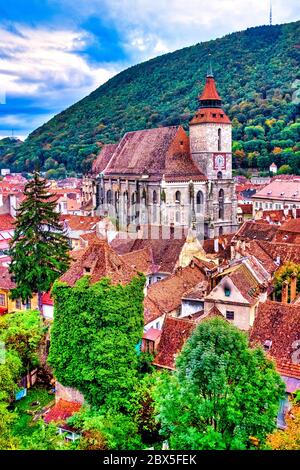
pixel 271 13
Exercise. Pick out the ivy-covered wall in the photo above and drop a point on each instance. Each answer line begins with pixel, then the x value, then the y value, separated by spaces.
pixel 93 338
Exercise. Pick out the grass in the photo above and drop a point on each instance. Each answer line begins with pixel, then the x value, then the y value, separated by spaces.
pixel 25 425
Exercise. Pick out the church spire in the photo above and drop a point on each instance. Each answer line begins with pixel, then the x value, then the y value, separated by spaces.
pixel 271 13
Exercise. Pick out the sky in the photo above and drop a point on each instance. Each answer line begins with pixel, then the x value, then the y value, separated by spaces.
pixel 55 52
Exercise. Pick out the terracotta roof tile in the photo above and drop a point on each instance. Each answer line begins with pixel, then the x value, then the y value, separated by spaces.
pixel 103 158
pixel 213 115
pixel 6 222
pixel 80 222
pixel 140 260
pixel 99 260
pixel 154 152
pixel 47 299
pixel 278 189
pixel 167 294
pixel 175 332
pixel 210 90
pixel 279 323
pixel 6 282
pixel 61 411
pixel 256 231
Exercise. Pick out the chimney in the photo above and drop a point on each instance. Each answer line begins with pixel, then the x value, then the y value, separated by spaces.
pixel 216 245
pixel 293 286
pixel 294 212
pixel 285 292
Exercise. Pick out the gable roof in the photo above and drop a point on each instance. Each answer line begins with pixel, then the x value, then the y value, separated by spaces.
pixel 6 282
pixel 175 332
pixel 279 189
pixel 154 152
pixel 103 158
pixel 99 260
pixel 61 411
pixel 167 294
pixel 80 222
pixel 140 260
pixel 7 222
pixel 279 323
pixel 256 231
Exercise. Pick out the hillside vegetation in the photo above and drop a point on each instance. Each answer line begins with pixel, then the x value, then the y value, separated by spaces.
pixel 257 73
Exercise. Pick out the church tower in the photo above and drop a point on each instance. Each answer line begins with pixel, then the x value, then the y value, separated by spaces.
pixel 210 134
pixel 211 150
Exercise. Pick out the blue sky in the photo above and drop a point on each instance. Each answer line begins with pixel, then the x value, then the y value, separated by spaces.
pixel 55 52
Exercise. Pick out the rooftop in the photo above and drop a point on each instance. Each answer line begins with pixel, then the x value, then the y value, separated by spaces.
pixel 281 189
pixel 61 411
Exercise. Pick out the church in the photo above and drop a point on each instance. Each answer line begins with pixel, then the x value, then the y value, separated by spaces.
pixel 165 177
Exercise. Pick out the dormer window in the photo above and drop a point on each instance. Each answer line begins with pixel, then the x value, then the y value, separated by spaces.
pixel 227 292
pixel 214 115
pixel 181 142
pixel 221 115
pixel 267 345
pixel 87 270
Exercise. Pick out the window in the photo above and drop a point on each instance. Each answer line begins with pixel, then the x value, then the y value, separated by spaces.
pixel 133 198
pixel 219 139
pixel 177 217
pixel 219 175
pixel 18 304
pixel 27 305
pixel 157 325
pixel 229 315
pixel 2 300
pixel 178 197
pixel 221 204
pixel 199 202
pixel 154 197
pixel 227 292
pixel 267 345
pixel 109 197
pixel 158 278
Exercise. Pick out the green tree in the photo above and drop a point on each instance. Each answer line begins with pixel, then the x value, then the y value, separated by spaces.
pixel 7 440
pixel 284 170
pixel 39 248
pixel 94 336
pixel 223 395
pixel 285 273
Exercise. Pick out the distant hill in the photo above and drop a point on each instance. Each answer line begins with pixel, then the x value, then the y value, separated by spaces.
pixel 257 74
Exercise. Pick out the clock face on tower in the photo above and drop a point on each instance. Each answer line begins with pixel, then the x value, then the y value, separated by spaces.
pixel 219 161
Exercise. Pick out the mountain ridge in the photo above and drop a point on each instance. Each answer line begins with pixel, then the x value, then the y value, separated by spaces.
pixel 255 71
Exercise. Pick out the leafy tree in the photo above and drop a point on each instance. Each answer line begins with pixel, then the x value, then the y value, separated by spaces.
pixel 7 440
pixel 289 439
pixel 39 248
pixel 94 336
pixel 285 273
pixel 22 332
pixel 44 437
pixel 223 395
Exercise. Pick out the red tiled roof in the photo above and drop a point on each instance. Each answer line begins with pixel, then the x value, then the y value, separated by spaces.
pixel 214 115
pixel 281 189
pixel 175 332
pixel 154 152
pixel 279 323
pixel 246 208
pixel 245 282
pixel 103 158
pixel 61 411
pixel 99 260
pixel 167 294
pixel 80 222
pixel 288 369
pixel 6 222
pixel 210 90
pixel 47 299
pixel 256 231
pixel 292 226
pixel 6 282
pixel 152 334
pixel 140 260
pixel 284 251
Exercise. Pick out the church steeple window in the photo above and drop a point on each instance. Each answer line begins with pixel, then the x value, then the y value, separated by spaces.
pixel 219 140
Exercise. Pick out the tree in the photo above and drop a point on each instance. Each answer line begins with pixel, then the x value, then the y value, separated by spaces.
pixel 288 439
pixel 284 170
pixel 94 336
pixel 285 273
pixel 223 394
pixel 39 248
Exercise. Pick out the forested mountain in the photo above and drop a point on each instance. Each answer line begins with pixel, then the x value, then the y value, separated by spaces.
pixel 258 77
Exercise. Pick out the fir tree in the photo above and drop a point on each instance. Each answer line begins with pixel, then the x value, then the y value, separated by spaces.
pixel 39 248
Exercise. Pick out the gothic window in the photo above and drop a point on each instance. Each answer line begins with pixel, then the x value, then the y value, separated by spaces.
pixel 178 197
pixel 133 198
pixel 154 197
pixel 221 231
pixel 109 197
pixel 177 217
pixel 219 175
pixel 199 202
pixel 219 140
pixel 221 204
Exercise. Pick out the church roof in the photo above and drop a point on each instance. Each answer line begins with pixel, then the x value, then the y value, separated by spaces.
pixel 213 115
pixel 154 153
pixel 210 90
pixel 103 158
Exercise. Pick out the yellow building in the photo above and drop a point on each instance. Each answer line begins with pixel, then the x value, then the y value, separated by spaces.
pixel 7 305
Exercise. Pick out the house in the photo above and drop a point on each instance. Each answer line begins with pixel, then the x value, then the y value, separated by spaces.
pixel 7 230
pixel 7 305
pixel 59 413
pixel 164 298
pixel 277 329
pixel 47 306
pixel 273 168
pixel 99 260
pixel 193 300
pixel 289 232
pixel 242 286
pixel 76 226
pixel 277 195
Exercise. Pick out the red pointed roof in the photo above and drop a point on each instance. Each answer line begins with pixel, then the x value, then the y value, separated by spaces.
pixel 210 90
